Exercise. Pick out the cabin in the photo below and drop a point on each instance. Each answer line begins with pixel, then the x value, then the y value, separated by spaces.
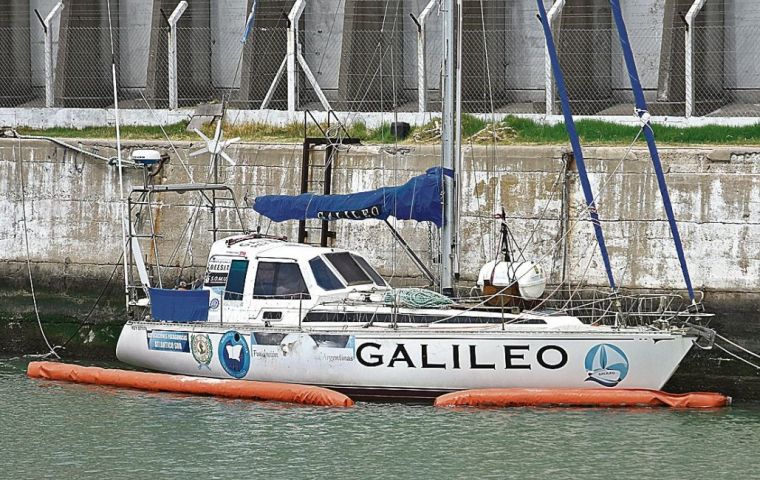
pixel 265 281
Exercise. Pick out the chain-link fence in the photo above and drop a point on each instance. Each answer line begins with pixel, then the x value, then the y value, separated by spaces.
pixel 363 55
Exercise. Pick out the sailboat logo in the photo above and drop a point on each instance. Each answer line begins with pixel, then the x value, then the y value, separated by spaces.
pixel 606 365
pixel 234 355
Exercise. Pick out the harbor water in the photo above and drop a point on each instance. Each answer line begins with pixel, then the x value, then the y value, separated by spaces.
pixel 58 430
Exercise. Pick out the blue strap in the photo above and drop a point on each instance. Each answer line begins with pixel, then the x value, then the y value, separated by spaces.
pixel 249 23
pixel 641 110
pixel 575 142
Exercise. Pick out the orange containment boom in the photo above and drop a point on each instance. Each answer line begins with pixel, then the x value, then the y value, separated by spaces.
pixel 163 382
pixel 538 397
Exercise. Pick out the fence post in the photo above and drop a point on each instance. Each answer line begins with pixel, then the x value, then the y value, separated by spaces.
pixel 49 70
pixel 293 18
pixel 689 52
pixel 422 57
pixel 173 19
pixel 553 13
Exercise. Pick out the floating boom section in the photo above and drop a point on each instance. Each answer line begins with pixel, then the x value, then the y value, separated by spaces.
pixel 163 382
pixel 641 111
pixel 575 141
pixel 581 397
pixel 418 199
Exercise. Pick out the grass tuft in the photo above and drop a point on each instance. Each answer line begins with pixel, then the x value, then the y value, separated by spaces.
pixel 512 130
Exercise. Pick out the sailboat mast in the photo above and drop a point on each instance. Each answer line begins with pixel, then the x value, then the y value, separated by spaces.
pixel 447 145
pixel 641 111
pixel 120 166
pixel 575 142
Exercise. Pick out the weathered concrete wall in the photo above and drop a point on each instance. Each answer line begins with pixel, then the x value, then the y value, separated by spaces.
pixel 72 210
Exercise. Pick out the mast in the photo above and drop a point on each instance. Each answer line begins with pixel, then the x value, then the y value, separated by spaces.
pixel 118 156
pixel 643 114
pixel 447 146
pixel 575 142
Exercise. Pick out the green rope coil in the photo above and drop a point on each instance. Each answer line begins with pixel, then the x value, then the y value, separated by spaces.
pixel 416 298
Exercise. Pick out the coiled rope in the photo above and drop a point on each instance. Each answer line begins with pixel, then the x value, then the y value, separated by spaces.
pixel 416 298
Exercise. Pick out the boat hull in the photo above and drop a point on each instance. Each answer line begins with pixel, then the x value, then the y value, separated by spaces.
pixel 410 362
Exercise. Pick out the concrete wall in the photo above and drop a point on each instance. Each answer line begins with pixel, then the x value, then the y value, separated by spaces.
pixel 73 210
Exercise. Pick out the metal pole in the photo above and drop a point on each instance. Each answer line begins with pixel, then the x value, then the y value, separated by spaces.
pixel 447 145
pixel 124 213
pixel 293 18
pixel 173 19
pixel 553 13
pixel 49 70
pixel 422 56
pixel 575 143
pixel 689 55
pixel 643 114
pixel 312 80
pixel 412 255
pixel 458 141
pixel 275 82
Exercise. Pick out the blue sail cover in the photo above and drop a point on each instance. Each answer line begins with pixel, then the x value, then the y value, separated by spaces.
pixel 418 199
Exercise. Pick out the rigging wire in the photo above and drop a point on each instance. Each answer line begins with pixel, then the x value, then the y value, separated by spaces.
pixel 94 305
pixel 738 357
pixel 737 345
pixel 582 214
pixel 492 165
pixel 52 350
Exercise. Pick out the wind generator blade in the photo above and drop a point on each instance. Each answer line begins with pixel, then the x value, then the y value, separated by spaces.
pixel 200 134
pixel 198 152
pixel 227 143
pixel 142 271
pixel 227 157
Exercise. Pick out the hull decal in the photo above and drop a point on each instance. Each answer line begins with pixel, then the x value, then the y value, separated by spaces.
pixel 203 352
pixel 168 341
pixel 606 365
pixel 234 354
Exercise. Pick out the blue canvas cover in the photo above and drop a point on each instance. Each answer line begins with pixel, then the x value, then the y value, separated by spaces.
pixel 418 199
pixel 179 305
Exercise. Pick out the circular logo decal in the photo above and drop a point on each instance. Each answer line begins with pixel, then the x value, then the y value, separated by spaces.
pixel 606 365
pixel 200 345
pixel 234 355
pixel 214 304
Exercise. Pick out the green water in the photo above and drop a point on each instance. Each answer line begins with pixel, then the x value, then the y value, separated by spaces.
pixel 57 430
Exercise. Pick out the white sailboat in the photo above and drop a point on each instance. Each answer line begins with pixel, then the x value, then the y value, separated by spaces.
pixel 273 310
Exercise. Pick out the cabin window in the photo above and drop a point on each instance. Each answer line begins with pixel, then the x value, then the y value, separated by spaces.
pixel 236 280
pixel 279 280
pixel 370 271
pixel 325 278
pixel 351 272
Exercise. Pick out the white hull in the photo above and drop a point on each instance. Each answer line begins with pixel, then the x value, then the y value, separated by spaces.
pixel 411 360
